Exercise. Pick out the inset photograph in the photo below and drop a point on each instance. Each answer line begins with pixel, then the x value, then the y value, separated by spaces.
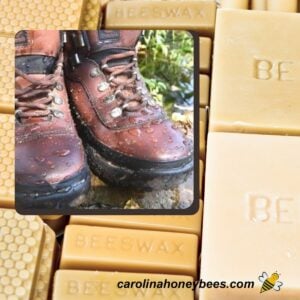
pixel 105 122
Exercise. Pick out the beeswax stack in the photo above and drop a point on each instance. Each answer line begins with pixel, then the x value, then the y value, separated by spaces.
pixel 7 156
pixel 27 252
pixel 171 14
pixel 93 285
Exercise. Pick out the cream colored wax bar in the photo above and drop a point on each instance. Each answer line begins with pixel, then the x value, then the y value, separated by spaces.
pixel 93 285
pixel 242 4
pixel 7 164
pixel 204 90
pixel 252 215
pixel 102 248
pixel 205 54
pixel 156 14
pixel 184 224
pixel 259 4
pixel 284 6
pixel 256 75
pixel 201 177
pixel 203 122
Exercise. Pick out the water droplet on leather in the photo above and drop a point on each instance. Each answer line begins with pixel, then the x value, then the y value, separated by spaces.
pixel 149 130
pixel 63 152
pixel 34 128
pixel 135 132
pixel 39 159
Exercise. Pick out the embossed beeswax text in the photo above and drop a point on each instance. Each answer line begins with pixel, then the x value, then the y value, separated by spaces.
pixel 155 12
pixel 126 243
pixel 263 208
pixel 107 288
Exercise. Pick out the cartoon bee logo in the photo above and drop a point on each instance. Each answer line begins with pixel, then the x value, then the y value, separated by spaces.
pixel 269 283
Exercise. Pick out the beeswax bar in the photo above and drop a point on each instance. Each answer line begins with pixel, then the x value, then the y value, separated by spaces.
pixel 284 6
pixel 7 72
pixel 93 285
pixel 102 248
pixel 26 256
pixel 203 122
pixel 184 224
pixel 241 4
pixel 205 54
pixel 44 14
pixel 7 156
pixel 252 214
pixel 204 90
pixel 256 76
pixel 173 14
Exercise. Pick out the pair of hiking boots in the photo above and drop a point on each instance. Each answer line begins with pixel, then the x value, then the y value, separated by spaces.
pixel 127 138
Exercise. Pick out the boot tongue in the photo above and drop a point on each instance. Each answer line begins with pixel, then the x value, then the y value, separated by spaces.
pixel 37 51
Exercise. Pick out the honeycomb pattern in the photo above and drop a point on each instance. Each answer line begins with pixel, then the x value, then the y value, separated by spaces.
pixel 39 14
pixel 91 14
pixel 7 72
pixel 20 239
pixel 45 269
pixel 7 156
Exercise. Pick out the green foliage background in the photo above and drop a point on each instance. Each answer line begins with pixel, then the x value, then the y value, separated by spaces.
pixel 166 61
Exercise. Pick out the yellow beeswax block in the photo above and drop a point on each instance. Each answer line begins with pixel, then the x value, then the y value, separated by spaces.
pixel 259 4
pixel 7 72
pixel 93 285
pixel 7 165
pixel 27 255
pixel 284 6
pixel 43 14
pixel 205 54
pixel 91 15
pixel 203 124
pixel 173 14
pixel 20 242
pixel 183 224
pixel 115 249
pixel 55 222
pixel 256 76
pixel 201 177
pixel 240 4
pixel 252 214
pixel 204 90
pixel 45 268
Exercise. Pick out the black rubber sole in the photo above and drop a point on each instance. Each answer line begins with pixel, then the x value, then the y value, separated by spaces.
pixel 58 196
pixel 140 179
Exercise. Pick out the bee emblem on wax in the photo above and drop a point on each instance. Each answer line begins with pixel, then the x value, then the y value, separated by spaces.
pixel 270 283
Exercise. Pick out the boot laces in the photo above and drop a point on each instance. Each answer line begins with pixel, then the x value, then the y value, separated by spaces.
pixel 125 88
pixel 35 99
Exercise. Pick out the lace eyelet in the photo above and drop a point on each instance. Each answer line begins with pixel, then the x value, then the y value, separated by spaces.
pixel 95 72
pixel 58 114
pixel 59 86
pixel 116 112
pixel 102 86
pixel 57 100
pixel 109 99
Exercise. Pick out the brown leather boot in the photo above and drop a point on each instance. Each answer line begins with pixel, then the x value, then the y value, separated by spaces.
pixel 51 167
pixel 128 138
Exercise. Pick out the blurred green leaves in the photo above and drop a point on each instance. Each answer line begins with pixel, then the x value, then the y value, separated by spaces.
pixel 166 61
